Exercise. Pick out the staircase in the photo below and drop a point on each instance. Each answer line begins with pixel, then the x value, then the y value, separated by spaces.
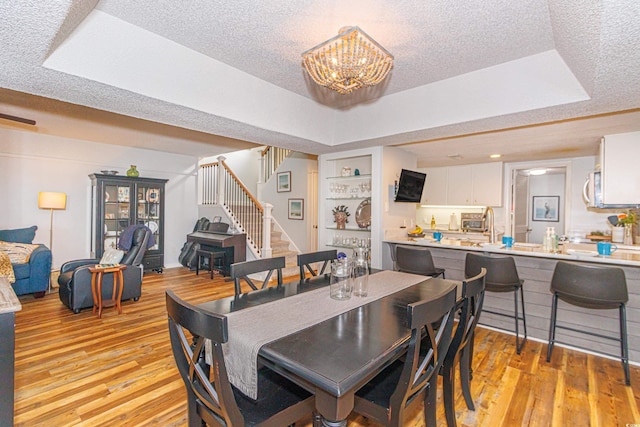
pixel 280 247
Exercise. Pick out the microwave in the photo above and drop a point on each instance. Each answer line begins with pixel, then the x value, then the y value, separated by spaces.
pixel 592 192
pixel 472 222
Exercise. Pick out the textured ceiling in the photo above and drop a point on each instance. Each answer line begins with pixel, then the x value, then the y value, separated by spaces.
pixel 227 74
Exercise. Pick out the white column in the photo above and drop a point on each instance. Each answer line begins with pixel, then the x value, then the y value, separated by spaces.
pixel 266 230
pixel 260 185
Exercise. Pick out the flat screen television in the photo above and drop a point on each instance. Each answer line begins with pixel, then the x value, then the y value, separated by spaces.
pixel 410 186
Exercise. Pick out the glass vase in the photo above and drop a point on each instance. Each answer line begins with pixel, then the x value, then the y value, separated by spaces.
pixel 133 171
pixel 628 234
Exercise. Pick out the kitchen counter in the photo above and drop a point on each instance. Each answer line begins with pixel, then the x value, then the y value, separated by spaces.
pixel 625 255
pixel 536 268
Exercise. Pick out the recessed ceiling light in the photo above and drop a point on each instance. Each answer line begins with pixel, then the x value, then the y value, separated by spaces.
pixel 537 172
pixel 495 156
pixel 454 156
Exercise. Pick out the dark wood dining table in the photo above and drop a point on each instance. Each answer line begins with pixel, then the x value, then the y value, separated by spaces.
pixel 336 357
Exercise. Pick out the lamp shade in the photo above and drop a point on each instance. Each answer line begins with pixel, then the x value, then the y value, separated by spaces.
pixel 50 200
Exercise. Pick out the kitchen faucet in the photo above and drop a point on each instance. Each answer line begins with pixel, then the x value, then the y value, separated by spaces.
pixel 488 217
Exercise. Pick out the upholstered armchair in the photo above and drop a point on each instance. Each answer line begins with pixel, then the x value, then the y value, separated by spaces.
pixel 75 277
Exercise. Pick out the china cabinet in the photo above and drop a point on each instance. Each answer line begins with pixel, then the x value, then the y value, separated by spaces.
pixel 121 201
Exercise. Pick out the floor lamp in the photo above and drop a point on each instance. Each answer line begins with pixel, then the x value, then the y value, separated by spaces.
pixel 51 201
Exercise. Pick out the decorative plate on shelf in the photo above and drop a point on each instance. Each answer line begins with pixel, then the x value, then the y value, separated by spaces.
pixel 153 195
pixel 363 214
pixel 153 226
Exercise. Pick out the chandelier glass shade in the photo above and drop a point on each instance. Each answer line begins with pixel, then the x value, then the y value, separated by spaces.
pixel 347 62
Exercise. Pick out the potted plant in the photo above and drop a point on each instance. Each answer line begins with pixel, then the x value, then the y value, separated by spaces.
pixel 340 216
pixel 627 220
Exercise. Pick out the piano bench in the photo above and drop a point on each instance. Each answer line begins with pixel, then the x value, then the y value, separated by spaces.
pixel 212 256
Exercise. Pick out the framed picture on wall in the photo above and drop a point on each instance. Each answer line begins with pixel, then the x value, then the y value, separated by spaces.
pixel 284 182
pixel 546 208
pixel 296 208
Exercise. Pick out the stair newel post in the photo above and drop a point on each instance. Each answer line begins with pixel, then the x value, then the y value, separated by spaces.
pixel 221 184
pixel 262 174
pixel 266 230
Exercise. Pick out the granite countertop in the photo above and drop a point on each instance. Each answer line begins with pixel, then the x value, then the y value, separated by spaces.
pixel 8 300
pixel 586 252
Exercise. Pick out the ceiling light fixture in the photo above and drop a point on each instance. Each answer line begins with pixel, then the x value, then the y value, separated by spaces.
pixel 495 156
pixel 347 62
pixel 536 172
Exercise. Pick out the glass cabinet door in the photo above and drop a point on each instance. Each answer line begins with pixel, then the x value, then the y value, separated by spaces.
pixel 117 213
pixel 148 209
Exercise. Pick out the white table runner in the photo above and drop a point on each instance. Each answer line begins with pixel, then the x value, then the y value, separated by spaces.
pixel 251 328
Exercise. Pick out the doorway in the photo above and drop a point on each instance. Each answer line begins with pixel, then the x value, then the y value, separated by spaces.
pixel 538 201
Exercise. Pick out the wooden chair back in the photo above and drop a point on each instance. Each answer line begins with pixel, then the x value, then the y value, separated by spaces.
pixel 305 261
pixel 241 271
pixel 207 385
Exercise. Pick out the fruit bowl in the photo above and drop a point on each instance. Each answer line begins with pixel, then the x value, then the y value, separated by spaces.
pixel 415 234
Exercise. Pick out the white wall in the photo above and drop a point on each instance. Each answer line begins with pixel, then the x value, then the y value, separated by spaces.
pixel 300 166
pixel 396 215
pixel 245 164
pixel 31 162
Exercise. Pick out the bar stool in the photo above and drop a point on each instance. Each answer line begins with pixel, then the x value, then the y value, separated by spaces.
pixel 417 261
pixel 590 287
pixel 502 276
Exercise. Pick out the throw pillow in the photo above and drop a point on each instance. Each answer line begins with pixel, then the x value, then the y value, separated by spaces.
pixel 19 235
pixel 111 256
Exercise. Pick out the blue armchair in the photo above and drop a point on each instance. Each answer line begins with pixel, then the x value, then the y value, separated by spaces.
pixel 32 277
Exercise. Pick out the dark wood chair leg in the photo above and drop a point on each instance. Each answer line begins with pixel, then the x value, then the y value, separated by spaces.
pixel 448 390
pixel 465 380
pixel 430 401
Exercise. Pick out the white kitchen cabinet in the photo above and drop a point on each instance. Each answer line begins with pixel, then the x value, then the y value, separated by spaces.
pixel 487 184
pixel 620 173
pixel 460 185
pixel 467 185
pixel 435 186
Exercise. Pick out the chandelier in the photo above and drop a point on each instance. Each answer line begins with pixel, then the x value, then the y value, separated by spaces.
pixel 347 62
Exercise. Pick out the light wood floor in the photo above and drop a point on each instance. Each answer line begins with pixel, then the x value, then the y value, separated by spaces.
pixel 119 370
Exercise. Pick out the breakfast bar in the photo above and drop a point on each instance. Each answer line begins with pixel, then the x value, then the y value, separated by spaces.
pixel 536 268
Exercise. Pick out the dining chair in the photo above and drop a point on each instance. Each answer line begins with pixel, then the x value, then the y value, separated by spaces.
pixel 591 287
pixel 460 351
pixel 305 261
pixel 211 398
pixel 417 261
pixel 241 271
pixel 401 385
pixel 502 276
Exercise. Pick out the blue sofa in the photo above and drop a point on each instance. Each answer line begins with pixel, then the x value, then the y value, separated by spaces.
pixel 32 277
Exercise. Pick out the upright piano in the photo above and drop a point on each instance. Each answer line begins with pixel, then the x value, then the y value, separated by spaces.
pixel 234 245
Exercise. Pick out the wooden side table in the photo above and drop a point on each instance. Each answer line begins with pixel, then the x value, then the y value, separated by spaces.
pixel 97 274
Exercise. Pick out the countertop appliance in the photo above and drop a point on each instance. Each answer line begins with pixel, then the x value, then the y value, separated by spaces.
pixel 472 221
